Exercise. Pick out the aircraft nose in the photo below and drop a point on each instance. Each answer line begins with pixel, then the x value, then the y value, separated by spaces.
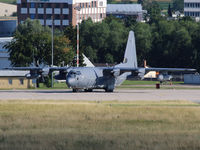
pixel 70 82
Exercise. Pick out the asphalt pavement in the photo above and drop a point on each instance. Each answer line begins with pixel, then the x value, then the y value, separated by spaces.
pixel 100 95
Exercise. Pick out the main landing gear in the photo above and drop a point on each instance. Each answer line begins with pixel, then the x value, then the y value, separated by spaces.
pixel 85 90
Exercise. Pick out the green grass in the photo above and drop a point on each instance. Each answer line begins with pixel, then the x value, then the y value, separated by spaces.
pixel 62 85
pixel 8 1
pixel 111 125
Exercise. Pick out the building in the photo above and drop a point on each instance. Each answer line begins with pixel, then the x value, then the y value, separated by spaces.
pixel 125 10
pixel 10 79
pixel 192 8
pixel 7 9
pixel 7 26
pixel 4 55
pixel 191 78
pixel 64 12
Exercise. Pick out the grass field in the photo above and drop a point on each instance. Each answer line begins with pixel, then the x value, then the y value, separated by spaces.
pixel 130 84
pixel 8 1
pixel 63 125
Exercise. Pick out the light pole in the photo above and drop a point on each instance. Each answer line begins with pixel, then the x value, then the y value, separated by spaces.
pixel 78 8
pixel 52 50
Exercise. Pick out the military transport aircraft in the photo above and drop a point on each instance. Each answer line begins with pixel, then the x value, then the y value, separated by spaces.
pixel 107 78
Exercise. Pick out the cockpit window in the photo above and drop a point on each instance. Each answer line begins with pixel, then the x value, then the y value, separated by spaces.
pixel 74 73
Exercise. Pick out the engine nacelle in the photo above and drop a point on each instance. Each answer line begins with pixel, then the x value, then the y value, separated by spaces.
pixel 116 72
pixel 61 76
pixel 141 73
pixel 45 72
pixel 164 77
pixel 32 76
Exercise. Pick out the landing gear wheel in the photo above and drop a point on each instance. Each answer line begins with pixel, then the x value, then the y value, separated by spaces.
pixel 74 90
pixel 109 90
pixel 88 90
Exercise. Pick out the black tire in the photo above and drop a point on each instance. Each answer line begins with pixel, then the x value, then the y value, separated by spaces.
pixel 109 90
pixel 74 90
pixel 88 90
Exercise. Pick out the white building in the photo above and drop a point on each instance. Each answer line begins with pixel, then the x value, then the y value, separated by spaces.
pixel 7 9
pixel 4 55
pixel 126 10
pixel 192 8
pixel 64 12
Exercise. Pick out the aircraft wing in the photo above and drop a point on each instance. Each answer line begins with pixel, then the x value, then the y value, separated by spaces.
pixel 38 68
pixel 170 69
pixel 116 71
pixel 140 72
pixel 36 72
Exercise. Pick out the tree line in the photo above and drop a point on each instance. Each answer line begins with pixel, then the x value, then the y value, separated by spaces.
pixel 162 42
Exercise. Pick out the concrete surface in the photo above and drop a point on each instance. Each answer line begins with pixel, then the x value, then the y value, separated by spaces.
pixel 99 95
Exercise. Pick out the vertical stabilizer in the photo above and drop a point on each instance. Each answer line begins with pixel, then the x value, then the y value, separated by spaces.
pixel 130 57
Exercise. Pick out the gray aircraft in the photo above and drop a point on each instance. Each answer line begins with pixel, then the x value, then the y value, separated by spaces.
pixel 107 78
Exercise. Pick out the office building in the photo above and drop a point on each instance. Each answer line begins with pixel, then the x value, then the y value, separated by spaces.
pixel 192 8
pixel 7 9
pixel 64 12
pixel 126 10
pixel 7 26
pixel 4 55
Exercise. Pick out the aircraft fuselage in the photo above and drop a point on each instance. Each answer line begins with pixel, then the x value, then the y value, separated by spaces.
pixel 92 78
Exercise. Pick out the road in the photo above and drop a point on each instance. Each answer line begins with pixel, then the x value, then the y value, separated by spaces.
pixel 100 95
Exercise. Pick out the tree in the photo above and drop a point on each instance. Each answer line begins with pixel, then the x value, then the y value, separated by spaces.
pixel 153 10
pixel 143 38
pixel 140 1
pixel 169 11
pixel 104 41
pixel 178 5
pixel 31 44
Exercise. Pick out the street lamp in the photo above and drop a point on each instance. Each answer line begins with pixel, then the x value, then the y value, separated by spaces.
pixel 78 8
pixel 52 50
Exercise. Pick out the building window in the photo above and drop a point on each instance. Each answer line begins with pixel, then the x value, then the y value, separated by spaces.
pixel 32 5
pixel 65 5
pixel 83 5
pixel 86 5
pixel 92 4
pixel 101 3
pixel 40 5
pixel 21 81
pixel 101 15
pixel 95 4
pixel 32 16
pixel 10 81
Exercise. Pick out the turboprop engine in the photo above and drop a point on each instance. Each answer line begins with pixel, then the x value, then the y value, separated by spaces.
pixel 38 73
pixel 164 77
pixel 32 76
pixel 139 74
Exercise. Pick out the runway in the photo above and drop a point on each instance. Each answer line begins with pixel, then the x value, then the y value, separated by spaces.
pixel 100 95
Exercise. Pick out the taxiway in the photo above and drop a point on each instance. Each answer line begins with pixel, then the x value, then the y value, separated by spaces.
pixel 99 95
